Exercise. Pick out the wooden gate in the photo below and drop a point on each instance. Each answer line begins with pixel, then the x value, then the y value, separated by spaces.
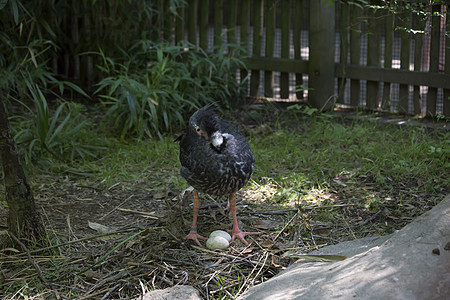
pixel 330 53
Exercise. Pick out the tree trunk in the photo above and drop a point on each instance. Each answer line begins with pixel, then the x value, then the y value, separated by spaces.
pixel 23 218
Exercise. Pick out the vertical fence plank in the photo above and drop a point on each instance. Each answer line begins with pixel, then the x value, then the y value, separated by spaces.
pixel 245 22
pixel 405 48
pixel 285 46
pixel 447 65
pixel 192 21
pixel 321 54
pixel 231 24
pixel 388 46
pixel 75 58
pixel 355 53
pixel 434 57
pixel 203 24
pixel 159 19
pixel 418 24
pixel 167 21
pixel 218 22
pixel 297 44
pixel 179 24
pixel 343 33
pixel 245 29
pixel 257 36
pixel 373 59
pixel 86 60
pixel 270 43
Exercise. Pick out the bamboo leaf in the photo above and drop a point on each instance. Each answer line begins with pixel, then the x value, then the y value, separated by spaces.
pixel 15 11
pixel 3 3
pixel 58 129
pixel 33 57
pixel 322 258
pixel 55 117
pixel 76 88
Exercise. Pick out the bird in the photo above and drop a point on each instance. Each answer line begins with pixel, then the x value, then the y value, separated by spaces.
pixel 216 159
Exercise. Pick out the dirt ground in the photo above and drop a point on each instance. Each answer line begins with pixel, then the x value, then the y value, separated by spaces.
pixel 124 240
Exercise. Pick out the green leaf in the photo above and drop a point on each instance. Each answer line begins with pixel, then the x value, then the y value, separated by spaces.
pixel 323 258
pixel 58 129
pixel 3 3
pixel 76 88
pixel 15 11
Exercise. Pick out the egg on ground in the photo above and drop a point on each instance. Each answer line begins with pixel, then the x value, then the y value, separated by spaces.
pixel 221 233
pixel 217 242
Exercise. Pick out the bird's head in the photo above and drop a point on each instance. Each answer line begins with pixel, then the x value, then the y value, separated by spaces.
pixel 205 124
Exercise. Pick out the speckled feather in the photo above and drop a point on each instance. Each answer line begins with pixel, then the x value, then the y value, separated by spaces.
pixel 215 171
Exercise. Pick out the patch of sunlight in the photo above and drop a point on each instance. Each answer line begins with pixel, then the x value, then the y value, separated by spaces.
pixel 316 196
pixel 261 191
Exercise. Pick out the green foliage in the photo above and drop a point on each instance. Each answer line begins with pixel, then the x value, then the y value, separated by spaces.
pixel 297 108
pixel 26 79
pixel 51 135
pixel 159 84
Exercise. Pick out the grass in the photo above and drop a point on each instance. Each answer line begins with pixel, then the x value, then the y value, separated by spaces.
pixel 338 178
pixel 302 159
pixel 307 157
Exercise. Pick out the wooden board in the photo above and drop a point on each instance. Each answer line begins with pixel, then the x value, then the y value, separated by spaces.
pixel 395 75
pixel 245 34
pixel 344 10
pixel 297 31
pixel 355 53
pixel 218 22
pixel 389 43
pixel 257 37
pixel 418 24
pixel 373 58
pixel 403 93
pixel 232 18
pixel 285 46
pixel 271 6
pixel 446 106
pixel 434 57
pixel 203 24
pixel 321 93
pixel 192 21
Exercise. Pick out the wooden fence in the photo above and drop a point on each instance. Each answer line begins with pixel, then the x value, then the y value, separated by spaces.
pixel 330 53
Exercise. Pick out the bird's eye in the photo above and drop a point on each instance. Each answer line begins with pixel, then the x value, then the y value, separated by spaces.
pixel 198 129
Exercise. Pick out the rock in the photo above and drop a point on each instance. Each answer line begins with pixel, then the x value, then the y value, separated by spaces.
pixel 403 265
pixel 179 292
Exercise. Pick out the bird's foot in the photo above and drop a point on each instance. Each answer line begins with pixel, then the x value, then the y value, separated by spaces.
pixel 193 235
pixel 241 235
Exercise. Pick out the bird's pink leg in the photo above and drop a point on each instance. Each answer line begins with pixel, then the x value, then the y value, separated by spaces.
pixel 193 235
pixel 236 232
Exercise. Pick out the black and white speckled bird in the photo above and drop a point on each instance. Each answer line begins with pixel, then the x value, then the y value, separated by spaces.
pixel 215 159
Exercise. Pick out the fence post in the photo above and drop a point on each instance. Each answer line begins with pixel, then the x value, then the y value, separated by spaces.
pixel 447 67
pixel 321 54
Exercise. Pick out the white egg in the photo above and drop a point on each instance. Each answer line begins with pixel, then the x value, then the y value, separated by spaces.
pixel 217 242
pixel 221 233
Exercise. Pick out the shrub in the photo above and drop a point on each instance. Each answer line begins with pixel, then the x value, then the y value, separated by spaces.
pixel 159 84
